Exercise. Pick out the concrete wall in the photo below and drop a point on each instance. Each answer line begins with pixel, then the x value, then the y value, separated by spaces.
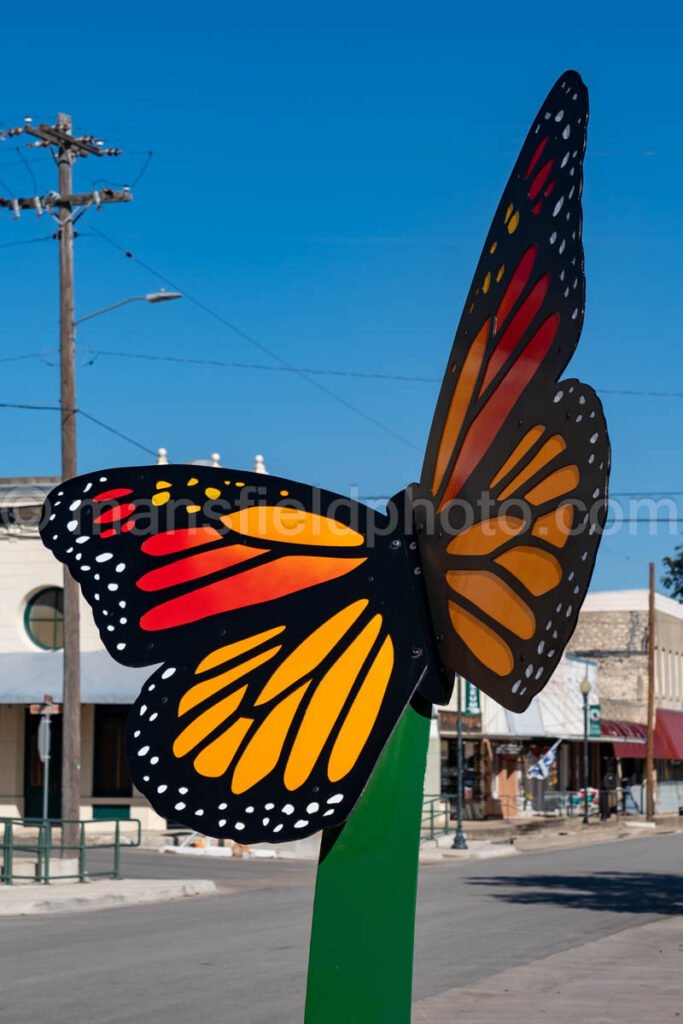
pixel 27 567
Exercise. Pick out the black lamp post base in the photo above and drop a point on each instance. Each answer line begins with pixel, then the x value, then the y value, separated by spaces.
pixel 459 841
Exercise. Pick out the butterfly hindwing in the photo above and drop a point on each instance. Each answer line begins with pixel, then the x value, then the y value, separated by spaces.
pixel 272 736
pixel 287 627
pixel 508 576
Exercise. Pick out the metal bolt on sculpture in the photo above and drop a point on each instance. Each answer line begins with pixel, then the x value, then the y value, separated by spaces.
pixel 301 638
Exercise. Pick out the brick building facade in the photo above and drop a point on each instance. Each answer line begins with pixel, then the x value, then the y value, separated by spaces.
pixel 613 631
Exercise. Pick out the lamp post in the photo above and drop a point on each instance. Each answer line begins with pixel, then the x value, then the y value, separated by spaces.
pixel 71 721
pixel 585 688
pixel 459 841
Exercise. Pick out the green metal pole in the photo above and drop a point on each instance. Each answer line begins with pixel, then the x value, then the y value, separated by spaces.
pixel 117 851
pixel 361 959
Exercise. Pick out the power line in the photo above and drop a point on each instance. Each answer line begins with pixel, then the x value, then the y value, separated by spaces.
pixel 116 432
pixel 253 341
pixel 29 169
pixel 29 355
pixel 135 181
pixel 34 407
pixel 27 241
pixel 257 366
pixel 288 368
pixel 29 405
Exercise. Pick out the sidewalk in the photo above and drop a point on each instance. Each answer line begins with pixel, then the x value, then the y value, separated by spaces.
pixel 616 980
pixel 548 835
pixel 70 896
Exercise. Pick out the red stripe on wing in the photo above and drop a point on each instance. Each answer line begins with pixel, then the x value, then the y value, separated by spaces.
pixel 540 179
pixel 514 332
pixel 537 153
pixel 253 586
pixel 488 422
pixel 114 515
pixel 195 566
pixel 179 540
pixel 518 282
pixel 115 492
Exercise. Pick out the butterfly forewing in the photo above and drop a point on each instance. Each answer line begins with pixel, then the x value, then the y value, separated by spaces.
pixel 524 311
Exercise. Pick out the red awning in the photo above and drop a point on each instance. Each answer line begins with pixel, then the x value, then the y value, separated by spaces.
pixel 670 727
pixel 630 738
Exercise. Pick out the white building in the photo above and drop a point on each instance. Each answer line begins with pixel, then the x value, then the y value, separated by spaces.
pixel 31 668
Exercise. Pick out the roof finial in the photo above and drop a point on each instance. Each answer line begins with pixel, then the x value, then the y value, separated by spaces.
pixel 162 457
pixel 259 465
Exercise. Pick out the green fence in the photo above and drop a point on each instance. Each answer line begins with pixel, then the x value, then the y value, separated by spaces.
pixel 436 817
pixel 25 838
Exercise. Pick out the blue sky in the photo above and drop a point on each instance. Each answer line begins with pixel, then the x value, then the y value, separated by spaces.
pixel 323 178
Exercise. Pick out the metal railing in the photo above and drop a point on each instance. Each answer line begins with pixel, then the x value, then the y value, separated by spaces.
pixel 44 840
pixel 436 817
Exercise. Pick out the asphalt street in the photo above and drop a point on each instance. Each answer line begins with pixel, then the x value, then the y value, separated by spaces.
pixel 239 956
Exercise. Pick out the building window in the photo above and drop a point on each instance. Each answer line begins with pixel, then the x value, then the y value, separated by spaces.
pixel 110 766
pixel 44 618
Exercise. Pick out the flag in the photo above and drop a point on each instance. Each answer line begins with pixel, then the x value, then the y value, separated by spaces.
pixel 541 770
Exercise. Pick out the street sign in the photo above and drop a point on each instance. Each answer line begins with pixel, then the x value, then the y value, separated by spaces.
pixel 44 739
pixel 472 699
pixel 594 720
pixel 49 708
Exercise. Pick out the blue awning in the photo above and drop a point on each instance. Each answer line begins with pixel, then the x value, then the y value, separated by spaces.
pixel 25 678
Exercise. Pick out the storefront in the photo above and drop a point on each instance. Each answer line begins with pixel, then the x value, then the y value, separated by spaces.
pixel 107 691
pixel 628 741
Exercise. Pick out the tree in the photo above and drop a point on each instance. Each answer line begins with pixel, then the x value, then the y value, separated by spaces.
pixel 673 580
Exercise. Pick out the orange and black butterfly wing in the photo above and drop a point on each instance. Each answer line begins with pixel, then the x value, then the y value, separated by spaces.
pixel 525 307
pixel 512 496
pixel 287 627
pixel 507 579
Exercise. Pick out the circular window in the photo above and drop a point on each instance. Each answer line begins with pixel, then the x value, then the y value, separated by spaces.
pixel 44 618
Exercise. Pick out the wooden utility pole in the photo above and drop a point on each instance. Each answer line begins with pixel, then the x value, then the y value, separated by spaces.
pixel 65 207
pixel 650 759
pixel 71 721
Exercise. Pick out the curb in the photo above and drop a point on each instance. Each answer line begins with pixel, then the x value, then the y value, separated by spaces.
pixel 25 904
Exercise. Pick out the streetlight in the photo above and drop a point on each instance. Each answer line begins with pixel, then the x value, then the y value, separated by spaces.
pixel 160 296
pixel 585 688
pixel 71 721
pixel 459 841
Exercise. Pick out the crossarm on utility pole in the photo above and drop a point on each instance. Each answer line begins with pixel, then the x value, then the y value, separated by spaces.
pixel 67 200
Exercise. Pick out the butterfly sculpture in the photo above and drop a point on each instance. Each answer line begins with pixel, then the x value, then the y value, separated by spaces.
pixel 291 626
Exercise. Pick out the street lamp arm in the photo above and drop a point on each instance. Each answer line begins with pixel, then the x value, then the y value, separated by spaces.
pixel 160 296
pixel 106 309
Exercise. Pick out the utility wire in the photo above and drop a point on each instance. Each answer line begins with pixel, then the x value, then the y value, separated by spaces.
pixel 29 355
pixel 128 184
pixel 287 368
pixel 117 433
pixel 255 366
pixel 29 405
pixel 253 341
pixel 86 415
pixel 26 241
pixel 29 169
